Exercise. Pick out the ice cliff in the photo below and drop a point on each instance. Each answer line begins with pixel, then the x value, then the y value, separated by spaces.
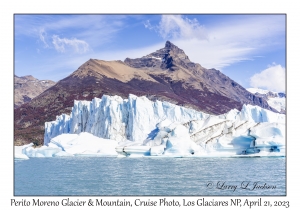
pixel 112 117
pixel 139 127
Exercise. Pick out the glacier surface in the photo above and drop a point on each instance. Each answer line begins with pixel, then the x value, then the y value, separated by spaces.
pixel 138 127
pixel 274 99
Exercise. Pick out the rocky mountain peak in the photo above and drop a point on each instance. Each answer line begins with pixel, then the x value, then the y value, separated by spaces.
pixel 29 77
pixel 170 46
pixel 173 49
pixel 166 75
pixel 27 87
pixel 170 57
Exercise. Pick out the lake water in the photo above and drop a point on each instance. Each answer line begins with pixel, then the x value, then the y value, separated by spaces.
pixel 150 176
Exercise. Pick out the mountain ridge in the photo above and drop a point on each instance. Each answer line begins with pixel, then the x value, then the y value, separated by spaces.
pixel 277 100
pixel 166 75
pixel 27 87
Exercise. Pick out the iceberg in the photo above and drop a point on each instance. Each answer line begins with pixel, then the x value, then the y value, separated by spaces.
pixel 18 153
pixel 137 127
pixel 83 144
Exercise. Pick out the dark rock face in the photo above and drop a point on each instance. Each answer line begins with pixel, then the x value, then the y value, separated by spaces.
pixel 168 58
pixel 166 75
pixel 172 58
pixel 281 95
pixel 270 94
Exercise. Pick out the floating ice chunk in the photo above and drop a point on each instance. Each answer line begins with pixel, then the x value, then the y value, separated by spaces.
pixel 137 150
pixel 157 150
pixel 62 154
pixel 29 151
pixel 43 151
pixel 71 144
pixel 38 155
pixel 21 156
pixel 85 143
pixel 129 148
pixel 47 151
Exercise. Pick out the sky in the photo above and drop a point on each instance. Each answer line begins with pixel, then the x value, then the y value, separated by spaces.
pixel 250 49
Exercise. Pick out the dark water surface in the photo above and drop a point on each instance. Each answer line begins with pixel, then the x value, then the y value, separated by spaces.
pixel 150 176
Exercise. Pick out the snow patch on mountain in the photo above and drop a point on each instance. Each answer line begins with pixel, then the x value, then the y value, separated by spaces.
pixel 257 90
pixel 275 100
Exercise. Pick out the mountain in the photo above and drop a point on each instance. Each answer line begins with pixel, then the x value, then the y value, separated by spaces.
pixel 165 75
pixel 28 87
pixel 275 100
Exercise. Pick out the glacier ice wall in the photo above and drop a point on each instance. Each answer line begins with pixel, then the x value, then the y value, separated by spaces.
pixel 112 117
pixel 112 126
pixel 145 122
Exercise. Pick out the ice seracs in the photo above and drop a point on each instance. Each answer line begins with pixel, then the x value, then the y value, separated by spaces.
pixel 112 117
pixel 138 127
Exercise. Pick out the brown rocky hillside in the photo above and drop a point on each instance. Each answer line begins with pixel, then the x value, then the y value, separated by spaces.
pixel 28 87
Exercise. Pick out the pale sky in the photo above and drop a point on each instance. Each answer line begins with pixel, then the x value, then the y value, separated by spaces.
pixel 244 47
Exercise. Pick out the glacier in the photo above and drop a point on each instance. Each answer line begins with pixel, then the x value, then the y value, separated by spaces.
pixel 274 99
pixel 138 127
